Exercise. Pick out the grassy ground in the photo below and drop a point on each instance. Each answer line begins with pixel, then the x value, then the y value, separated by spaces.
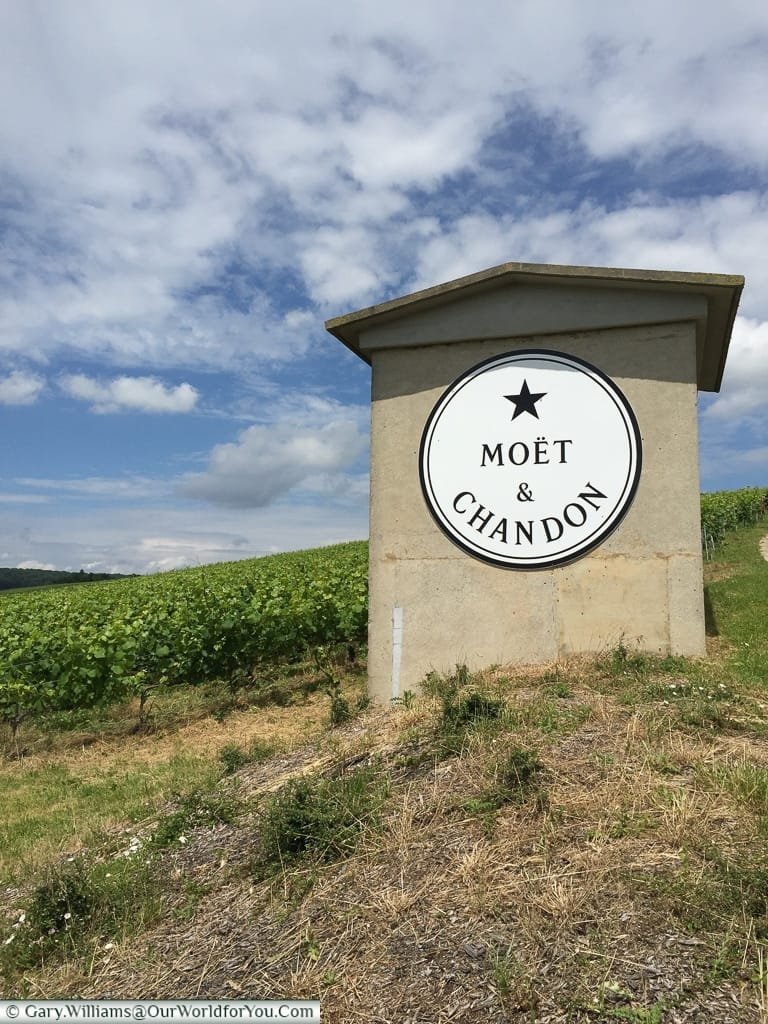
pixel 81 775
pixel 584 843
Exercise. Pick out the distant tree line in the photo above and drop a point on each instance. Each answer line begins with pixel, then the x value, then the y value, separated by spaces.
pixel 12 579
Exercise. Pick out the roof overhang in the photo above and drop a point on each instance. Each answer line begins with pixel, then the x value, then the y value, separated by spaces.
pixel 526 299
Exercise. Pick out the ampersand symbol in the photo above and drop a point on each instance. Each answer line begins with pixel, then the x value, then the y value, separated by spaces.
pixel 524 493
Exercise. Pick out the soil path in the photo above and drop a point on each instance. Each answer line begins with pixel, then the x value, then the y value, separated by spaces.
pixel 764 548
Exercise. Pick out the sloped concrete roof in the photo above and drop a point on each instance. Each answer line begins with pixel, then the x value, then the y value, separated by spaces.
pixel 523 299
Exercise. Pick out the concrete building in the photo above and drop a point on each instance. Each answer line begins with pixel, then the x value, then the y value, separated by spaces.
pixel 653 337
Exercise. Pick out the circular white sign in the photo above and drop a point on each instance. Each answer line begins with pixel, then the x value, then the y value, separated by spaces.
pixel 530 459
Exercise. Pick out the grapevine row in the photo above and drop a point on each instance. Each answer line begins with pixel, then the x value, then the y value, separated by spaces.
pixel 80 646
pixel 98 643
pixel 722 511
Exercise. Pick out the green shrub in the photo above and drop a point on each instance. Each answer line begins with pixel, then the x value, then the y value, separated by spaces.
pixel 475 707
pixel 196 810
pixel 460 714
pixel 519 773
pixel 233 756
pixel 340 711
pixel 76 904
pixel 516 778
pixel 61 905
pixel 319 818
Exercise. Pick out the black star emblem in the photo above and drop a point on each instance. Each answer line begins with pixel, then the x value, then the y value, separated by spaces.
pixel 525 401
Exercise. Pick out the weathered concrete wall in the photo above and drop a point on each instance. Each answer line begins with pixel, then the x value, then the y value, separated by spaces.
pixel 643 584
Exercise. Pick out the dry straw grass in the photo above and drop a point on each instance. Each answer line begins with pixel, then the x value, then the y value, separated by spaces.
pixel 574 899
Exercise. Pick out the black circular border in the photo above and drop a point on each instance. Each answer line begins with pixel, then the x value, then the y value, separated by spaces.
pixel 630 497
pixel 601 531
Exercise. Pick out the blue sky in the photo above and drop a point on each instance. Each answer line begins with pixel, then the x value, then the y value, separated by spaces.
pixel 188 190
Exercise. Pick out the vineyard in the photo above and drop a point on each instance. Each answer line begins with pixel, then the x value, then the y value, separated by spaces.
pixel 100 643
pixel 726 510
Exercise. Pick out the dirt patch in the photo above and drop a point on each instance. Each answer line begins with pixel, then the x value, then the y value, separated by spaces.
pixel 714 573
pixel 204 735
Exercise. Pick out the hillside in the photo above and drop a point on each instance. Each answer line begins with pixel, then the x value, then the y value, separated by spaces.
pixel 581 843
pixel 16 579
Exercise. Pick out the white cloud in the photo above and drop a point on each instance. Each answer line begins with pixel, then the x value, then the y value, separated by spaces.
pixel 714 234
pixel 303 441
pixel 651 84
pixel 345 264
pixel 121 542
pixel 757 457
pixel 266 462
pixel 24 499
pixel 32 564
pixel 341 488
pixel 142 394
pixel 729 461
pixel 205 183
pixel 168 143
pixel 746 376
pixel 388 147
pixel 114 488
pixel 20 388
pixel 160 554
pixel 723 234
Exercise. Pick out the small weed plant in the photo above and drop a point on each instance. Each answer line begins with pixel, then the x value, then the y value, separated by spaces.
pixel 516 778
pixel 61 906
pixel 319 819
pixel 715 888
pixel 622 661
pixel 196 810
pixel 76 904
pixel 519 774
pixel 233 756
pixel 511 980
pixel 405 701
pixel 339 711
pixel 744 780
pixel 460 713
pixel 560 688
